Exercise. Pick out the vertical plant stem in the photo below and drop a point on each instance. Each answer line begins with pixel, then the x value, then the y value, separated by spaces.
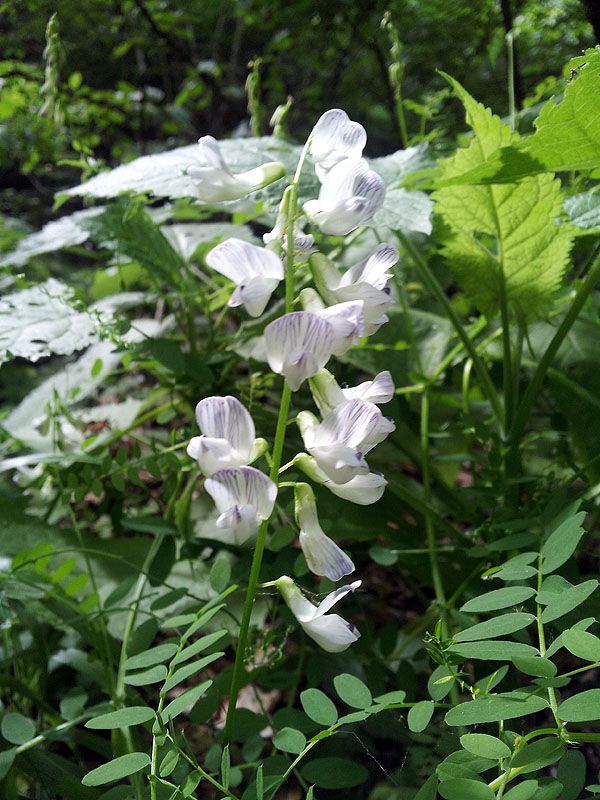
pixel 291 195
pixel 542 647
pixel 510 52
pixel 436 290
pixel 524 408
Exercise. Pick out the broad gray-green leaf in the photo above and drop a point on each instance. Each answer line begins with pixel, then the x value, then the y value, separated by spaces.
pixel 419 716
pixel 17 728
pixel 509 705
pixel 318 707
pixel 501 239
pixel 352 690
pixel 568 600
pixel 497 626
pixel 184 700
pixel 465 789
pixel 582 707
pixel 499 598
pixel 190 669
pixel 535 665
pixel 156 655
pixel 584 209
pixel 40 321
pixel 538 754
pixel 409 212
pixel 290 740
pixel 116 769
pixel 67 231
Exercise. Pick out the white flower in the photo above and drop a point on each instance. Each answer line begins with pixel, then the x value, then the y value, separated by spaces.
pixel 322 554
pixel 327 394
pixel 330 631
pixel 298 345
pixel 347 319
pixel 244 496
pixel 214 181
pixel 334 138
pixel 227 435
pixel 255 270
pixel 364 490
pixel 350 195
pixel 364 281
pixel 347 432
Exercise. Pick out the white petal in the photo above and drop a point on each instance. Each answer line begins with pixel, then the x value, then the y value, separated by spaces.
pixel 298 345
pixel 226 418
pixel 240 261
pixel 326 392
pixel 335 596
pixel 374 268
pixel 350 423
pixel 379 390
pixel 339 462
pixel 347 320
pixel 242 486
pixel 214 454
pixel 334 138
pixel 323 555
pixel 242 521
pixel 254 294
pixel 210 153
pixel 332 632
pixel 299 605
pixel 364 490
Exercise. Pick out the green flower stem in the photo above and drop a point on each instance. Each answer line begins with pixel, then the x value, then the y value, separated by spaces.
pixel 291 194
pixel 436 290
pixel 524 408
pixel 64 726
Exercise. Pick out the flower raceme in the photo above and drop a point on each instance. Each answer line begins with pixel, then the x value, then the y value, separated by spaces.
pixel 322 554
pixel 227 438
pixel 255 270
pixel 215 182
pixel 329 631
pixel 244 496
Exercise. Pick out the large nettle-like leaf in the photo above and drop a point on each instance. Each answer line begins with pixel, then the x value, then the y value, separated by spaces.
pixel 502 238
pixel 567 133
pixel 39 321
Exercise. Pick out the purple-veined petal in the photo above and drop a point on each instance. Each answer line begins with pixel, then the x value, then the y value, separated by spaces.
pixel 347 320
pixel 226 418
pixel 254 294
pixel 322 554
pixel 242 486
pixel 335 596
pixel 332 633
pixel 339 462
pixel 374 269
pixel 242 521
pixel 214 454
pixel 239 261
pixel 379 390
pixel 350 423
pixel 364 490
pixel 298 345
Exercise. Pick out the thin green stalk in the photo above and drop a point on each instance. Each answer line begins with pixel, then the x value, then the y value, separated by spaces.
pixel 542 647
pixel 512 113
pixel 436 290
pixel 238 667
pixel 535 384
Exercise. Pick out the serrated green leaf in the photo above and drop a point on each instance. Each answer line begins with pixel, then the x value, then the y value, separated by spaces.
pixel 498 626
pixel 122 718
pixel 561 543
pixel 16 728
pixel 582 707
pixel 352 691
pixel 582 644
pixel 499 598
pixel 118 768
pixel 289 740
pixel 501 239
pixel 419 716
pixel 509 705
pixel 481 744
pixel 318 707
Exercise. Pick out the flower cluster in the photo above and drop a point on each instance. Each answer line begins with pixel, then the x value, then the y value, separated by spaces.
pixel 344 308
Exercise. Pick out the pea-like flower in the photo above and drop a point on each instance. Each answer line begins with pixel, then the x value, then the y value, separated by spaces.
pixel 347 319
pixel 340 441
pixel 363 490
pixel 244 496
pixel 227 438
pixel 255 270
pixel 328 394
pixel 364 281
pixel 334 138
pixel 350 195
pixel 215 183
pixel 298 345
pixel 329 631
pixel 322 554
